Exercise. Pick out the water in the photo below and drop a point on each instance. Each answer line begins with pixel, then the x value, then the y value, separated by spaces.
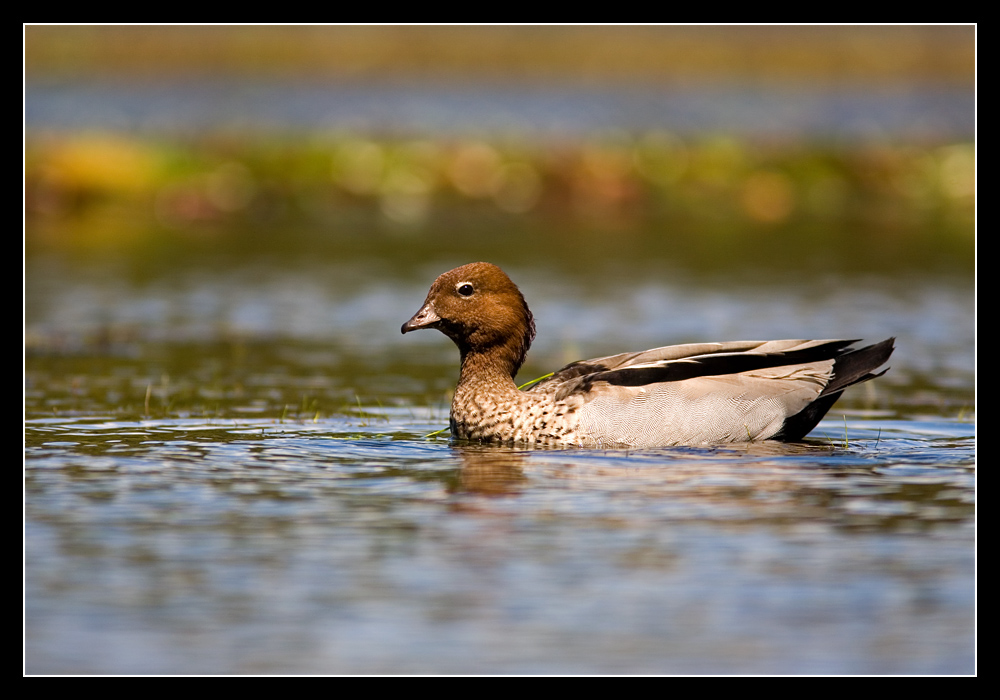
pixel 457 106
pixel 196 549
pixel 227 471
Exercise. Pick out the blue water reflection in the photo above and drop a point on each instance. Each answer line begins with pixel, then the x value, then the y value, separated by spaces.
pixel 784 109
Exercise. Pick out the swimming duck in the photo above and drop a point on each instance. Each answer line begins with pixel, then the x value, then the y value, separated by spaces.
pixel 700 393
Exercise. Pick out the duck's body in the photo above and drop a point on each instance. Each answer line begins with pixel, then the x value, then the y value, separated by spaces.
pixel 703 393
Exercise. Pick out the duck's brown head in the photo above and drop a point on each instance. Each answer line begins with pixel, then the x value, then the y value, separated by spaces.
pixel 479 308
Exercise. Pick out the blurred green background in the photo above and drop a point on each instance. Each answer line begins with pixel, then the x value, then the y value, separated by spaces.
pixel 749 140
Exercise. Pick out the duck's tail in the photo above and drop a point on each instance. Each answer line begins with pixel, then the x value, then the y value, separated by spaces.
pixel 853 367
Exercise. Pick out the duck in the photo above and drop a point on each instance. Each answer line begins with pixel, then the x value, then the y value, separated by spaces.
pixel 692 394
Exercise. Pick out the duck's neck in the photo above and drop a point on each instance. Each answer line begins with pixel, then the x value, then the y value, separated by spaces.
pixel 493 369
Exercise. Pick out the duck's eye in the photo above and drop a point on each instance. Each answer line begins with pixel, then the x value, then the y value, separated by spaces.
pixel 465 289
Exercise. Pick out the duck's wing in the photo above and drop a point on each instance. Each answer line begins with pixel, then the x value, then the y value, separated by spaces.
pixel 680 362
pixel 722 390
pixel 624 360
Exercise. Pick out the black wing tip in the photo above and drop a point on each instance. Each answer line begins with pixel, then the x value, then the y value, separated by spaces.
pixel 856 366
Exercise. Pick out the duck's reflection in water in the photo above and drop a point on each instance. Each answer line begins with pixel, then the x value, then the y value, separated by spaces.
pixel 490 470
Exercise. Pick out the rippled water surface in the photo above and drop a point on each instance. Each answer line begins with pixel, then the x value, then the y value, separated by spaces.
pixel 227 470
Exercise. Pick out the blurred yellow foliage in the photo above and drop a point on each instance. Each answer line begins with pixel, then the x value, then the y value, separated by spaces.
pixel 99 163
pixel 768 196
pixel 617 177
